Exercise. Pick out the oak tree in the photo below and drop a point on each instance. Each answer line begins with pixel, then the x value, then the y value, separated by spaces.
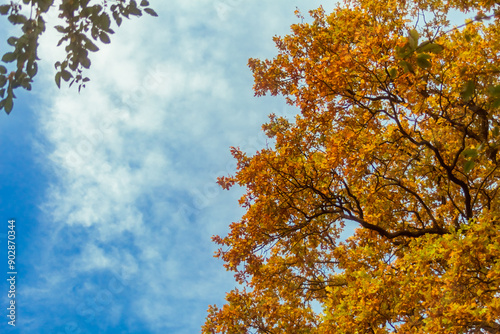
pixel 83 23
pixel 398 135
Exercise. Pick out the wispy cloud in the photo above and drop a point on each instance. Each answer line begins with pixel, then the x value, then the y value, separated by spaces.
pixel 133 201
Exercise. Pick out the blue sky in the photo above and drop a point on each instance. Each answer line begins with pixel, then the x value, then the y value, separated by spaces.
pixel 113 189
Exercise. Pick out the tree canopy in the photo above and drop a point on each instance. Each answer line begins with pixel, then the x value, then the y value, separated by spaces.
pixel 398 134
pixel 83 22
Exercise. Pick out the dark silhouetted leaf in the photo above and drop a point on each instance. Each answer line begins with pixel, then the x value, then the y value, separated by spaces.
pixel 104 21
pixel 104 38
pixel 33 70
pixel 58 79
pixel 65 75
pixel 117 18
pixel 85 61
pixel 9 57
pixel 150 12
pixel 12 40
pixel 9 103
pixel 61 29
pixel 91 46
pixel 4 9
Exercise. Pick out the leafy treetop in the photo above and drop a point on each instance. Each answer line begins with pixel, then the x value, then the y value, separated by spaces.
pixel 84 22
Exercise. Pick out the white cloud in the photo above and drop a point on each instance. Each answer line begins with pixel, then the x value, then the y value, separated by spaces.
pixel 135 156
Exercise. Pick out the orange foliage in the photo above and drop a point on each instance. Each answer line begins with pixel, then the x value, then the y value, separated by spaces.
pixel 398 134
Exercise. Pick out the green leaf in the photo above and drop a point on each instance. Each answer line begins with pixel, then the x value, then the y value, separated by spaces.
pixel 85 61
pixel 12 41
pixel 407 67
pixel 91 46
pixel 495 103
pixel 150 11
pixel 494 91
pixel 21 19
pixel 62 40
pixel 117 18
pixel 3 69
pixel 94 32
pixel 58 79
pixel 17 19
pixel 9 103
pixel 422 60
pixel 496 131
pixel 468 90
pixel 144 3
pixel 125 12
pixel 404 52
pixel 470 153
pixel 9 57
pixel 44 5
pixel 65 75
pixel 133 10
pixel 41 24
pixel 393 72
pixel 104 21
pixel 33 70
pixel 4 9
pixel 23 40
pixel 430 47
pixel 61 29
pixel 26 84
pixel 414 34
pixel 74 64
pixel 96 9
pixel 104 38
pixel 3 80
pixel 413 39
pixel 469 164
